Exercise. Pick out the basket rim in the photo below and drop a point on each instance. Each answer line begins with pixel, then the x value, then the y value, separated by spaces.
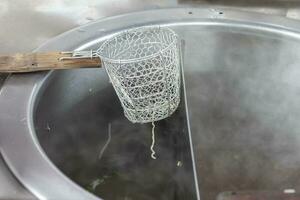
pixel 124 61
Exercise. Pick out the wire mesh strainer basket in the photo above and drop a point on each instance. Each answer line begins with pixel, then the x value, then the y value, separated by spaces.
pixel 143 66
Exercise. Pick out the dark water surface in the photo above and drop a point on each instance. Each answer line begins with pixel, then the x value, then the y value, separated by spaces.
pixel 74 137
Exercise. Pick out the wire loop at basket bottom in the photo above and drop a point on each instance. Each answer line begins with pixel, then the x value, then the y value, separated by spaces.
pixel 153 114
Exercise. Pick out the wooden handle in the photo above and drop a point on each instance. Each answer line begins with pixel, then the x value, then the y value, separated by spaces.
pixel 30 62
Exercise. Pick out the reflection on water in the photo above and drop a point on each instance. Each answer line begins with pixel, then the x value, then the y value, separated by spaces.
pixel 97 147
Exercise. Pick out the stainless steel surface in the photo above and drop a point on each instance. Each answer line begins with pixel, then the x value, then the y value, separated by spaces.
pixel 248 86
pixel 243 94
pixel 254 195
pixel 29 23
pixel 42 186
pixel 11 189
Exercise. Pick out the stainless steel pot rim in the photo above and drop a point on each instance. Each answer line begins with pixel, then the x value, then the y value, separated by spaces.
pixel 22 90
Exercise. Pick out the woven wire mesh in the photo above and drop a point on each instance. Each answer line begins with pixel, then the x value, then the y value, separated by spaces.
pixel 143 66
